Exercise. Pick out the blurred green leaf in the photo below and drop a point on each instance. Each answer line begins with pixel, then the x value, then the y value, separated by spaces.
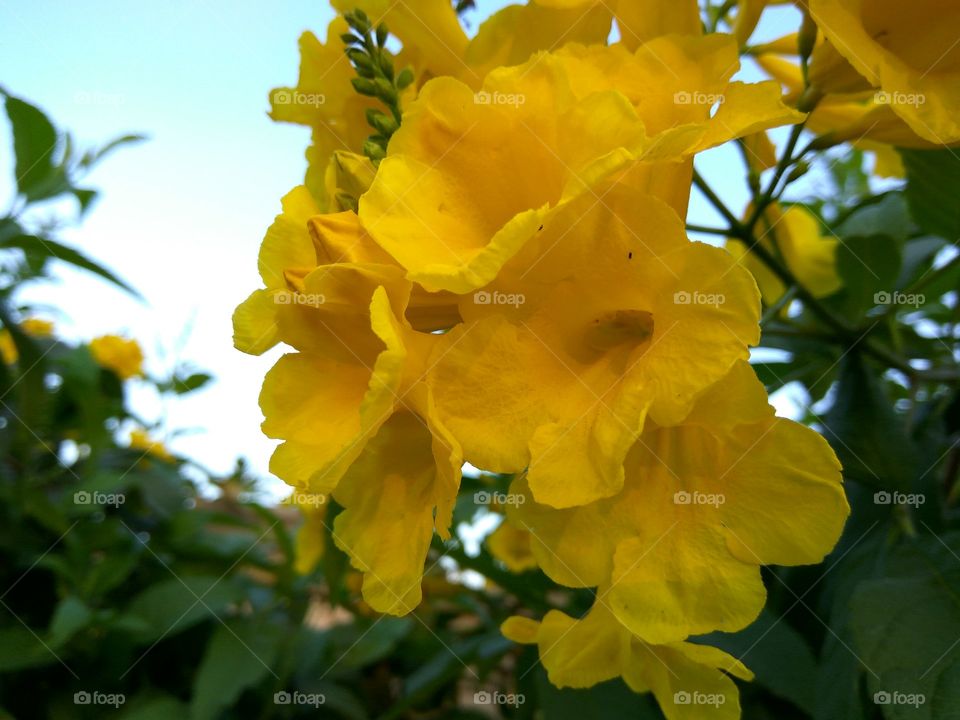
pixel 865 431
pixel 906 627
pixel 933 186
pixel 45 247
pixel 240 655
pixel 34 145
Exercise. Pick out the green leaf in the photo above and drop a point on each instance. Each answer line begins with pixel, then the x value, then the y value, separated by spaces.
pixel 866 433
pixel 906 626
pixel 377 642
pixel 778 655
pixel 71 616
pixel 91 158
pixel 34 144
pixel 19 648
pixel 933 185
pixel 238 656
pixel 195 381
pixel 887 216
pixel 869 266
pixel 45 247
pixel 174 605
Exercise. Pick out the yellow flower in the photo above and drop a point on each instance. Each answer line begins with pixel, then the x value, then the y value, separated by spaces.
pixel 705 503
pixel 141 440
pixel 854 117
pixel 610 316
pixel 118 354
pixel 286 252
pixel 641 20
pixel 351 400
pixel 514 34
pixel 581 653
pixel 469 178
pixel 906 52
pixel 324 99
pixel 511 545
pixel 35 327
pixel 795 236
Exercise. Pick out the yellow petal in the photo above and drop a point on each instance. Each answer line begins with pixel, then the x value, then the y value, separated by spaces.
pixel 511 546
pixel 389 498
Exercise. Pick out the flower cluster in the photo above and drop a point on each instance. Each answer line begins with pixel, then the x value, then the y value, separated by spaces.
pixel 510 284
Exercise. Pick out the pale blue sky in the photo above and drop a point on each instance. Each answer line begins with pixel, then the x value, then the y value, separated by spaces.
pixel 182 215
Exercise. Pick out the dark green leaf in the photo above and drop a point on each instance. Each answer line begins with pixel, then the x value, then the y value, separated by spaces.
pixel 240 655
pixel 50 248
pixel 933 186
pixel 866 433
pixel 34 144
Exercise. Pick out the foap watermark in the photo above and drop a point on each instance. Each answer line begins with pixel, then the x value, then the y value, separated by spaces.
pixel 498 498
pixel 682 297
pixel 286 297
pixel 899 298
pixel 306 499
pixel 884 697
pixel 682 697
pixel 485 697
pixel 698 98
pixel 898 498
pixel 296 697
pixel 85 697
pixel 882 97
pixel 295 97
pixel 499 98
pixel 683 497
pixel 85 497
pixel 484 297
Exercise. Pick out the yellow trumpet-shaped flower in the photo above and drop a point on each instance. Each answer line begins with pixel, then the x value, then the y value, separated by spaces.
pixel 597 647
pixel 705 503
pixel 610 316
pixel 906 52
pixel 120 355
pixel 795 236
pixel 352 399
pixel 470 177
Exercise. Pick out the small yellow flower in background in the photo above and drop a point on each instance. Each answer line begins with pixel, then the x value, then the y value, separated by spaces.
pixel 121 355
pixel 905 53
pixel 141 440
pixel 34 327
pixel 581 653
pixel 795 236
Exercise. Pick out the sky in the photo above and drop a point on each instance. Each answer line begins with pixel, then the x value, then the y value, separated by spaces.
pixel 181 216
